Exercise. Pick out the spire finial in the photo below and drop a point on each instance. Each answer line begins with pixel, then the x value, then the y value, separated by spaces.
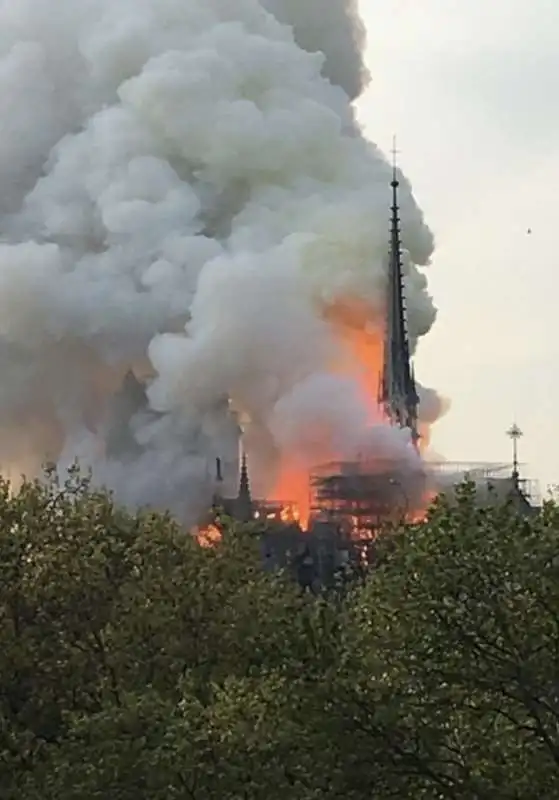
pixel 514 433
pixel 395 153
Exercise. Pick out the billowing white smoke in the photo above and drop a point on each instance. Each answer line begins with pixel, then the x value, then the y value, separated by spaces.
pixel 181 186
pixel 334 29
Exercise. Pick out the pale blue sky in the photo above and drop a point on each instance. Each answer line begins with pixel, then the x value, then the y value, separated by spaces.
pixel 471 91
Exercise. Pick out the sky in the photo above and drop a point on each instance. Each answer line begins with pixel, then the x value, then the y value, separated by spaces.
pixel 469 89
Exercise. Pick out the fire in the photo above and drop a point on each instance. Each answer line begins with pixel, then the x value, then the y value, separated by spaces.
pixel 357 329
pixel 292 488
pixel 208 536
pixel 420 514
pixel 354 325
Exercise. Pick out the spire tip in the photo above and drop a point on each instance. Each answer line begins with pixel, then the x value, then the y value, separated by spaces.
pixel 395 152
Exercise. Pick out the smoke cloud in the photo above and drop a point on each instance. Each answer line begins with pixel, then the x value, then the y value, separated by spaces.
pixel 334 29
pixel 183 189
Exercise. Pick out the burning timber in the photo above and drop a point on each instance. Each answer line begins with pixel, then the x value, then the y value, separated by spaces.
pixel 363 495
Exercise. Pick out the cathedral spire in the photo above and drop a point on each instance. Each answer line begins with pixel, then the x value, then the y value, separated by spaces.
pixel 243 510
pixel 398 395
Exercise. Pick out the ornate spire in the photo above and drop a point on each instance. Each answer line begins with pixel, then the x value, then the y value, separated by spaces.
pixel 243 510
pixel 398 395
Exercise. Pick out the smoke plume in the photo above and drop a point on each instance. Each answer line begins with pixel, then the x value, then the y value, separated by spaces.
pixel 183 191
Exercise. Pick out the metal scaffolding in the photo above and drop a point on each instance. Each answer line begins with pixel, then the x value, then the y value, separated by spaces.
pixel 364 494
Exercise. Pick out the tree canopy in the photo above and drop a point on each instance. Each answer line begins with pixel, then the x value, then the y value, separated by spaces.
pixel 136 664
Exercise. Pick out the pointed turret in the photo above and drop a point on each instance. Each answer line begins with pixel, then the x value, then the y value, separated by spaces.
pixel 243 505
pixel 398 394
pixel 217 498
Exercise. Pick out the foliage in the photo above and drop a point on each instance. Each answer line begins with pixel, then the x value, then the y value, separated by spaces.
pixel 456 645
pixel 131 657
pixel 136 664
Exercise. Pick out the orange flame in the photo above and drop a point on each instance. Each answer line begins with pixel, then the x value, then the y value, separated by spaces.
pixel 292 488
pixel 420 514
pixel 208 536
pixel 357 330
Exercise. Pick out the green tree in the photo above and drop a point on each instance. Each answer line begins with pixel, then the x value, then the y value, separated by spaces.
pixel 135 663
pixel 451 658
